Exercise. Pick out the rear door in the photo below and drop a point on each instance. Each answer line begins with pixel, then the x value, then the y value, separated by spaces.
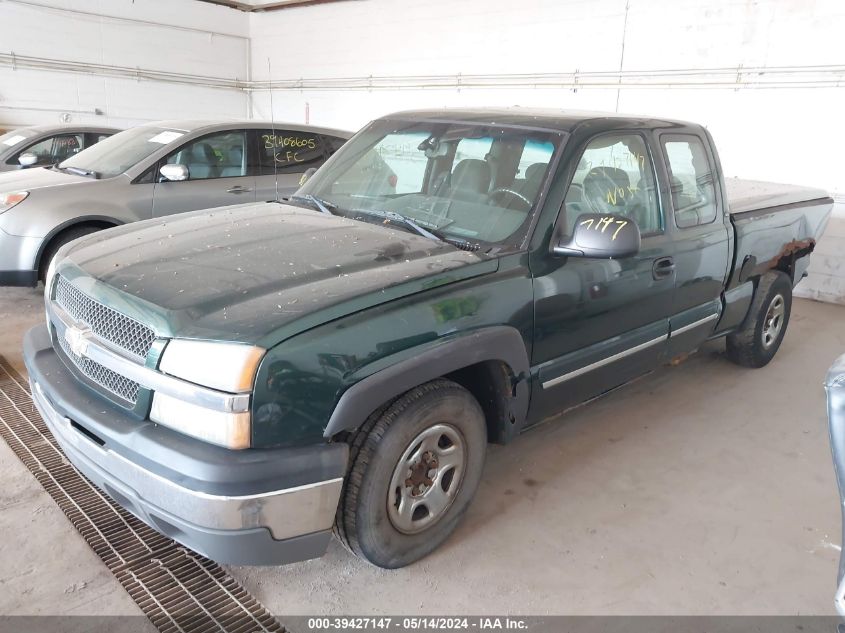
pixel 700 236
pixel 285 155
pixel 220 173
pixel 602 322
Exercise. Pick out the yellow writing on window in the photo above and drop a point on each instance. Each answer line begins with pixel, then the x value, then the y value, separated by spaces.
pixel 272 141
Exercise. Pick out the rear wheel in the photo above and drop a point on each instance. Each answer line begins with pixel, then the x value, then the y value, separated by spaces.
pixel 414 468
pixel 759 339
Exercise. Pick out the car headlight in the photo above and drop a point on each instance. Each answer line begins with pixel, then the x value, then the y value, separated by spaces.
pixel 224 366
pixel 8 200
pixel 231 430
pixel 228 367
pixel 48 279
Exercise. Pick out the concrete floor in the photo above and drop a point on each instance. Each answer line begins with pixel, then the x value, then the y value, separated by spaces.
pixel 701 489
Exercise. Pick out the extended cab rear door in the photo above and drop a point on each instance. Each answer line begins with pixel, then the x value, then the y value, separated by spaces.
pixel 696 221
pixel 602 322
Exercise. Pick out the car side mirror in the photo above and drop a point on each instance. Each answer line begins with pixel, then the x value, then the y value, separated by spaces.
pixel 27 159
pixel 600 236
pixel 306 175
pixel 175 172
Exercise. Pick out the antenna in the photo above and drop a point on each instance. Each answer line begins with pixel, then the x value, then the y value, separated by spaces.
pixel 273 127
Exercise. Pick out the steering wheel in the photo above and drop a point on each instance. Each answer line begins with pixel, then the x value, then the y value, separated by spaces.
pixel 504 190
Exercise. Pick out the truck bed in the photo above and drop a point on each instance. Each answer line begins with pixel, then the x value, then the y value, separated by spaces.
pixel 746 196
pixel 774 225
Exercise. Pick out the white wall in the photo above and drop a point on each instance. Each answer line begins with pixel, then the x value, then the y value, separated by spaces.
pixel 792 133
pixel 789 133
pixel 177 36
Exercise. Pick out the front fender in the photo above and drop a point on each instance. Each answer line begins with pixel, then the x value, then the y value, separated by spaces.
pixel 499 343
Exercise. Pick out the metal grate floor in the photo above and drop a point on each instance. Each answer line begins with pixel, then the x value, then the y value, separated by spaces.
pixel 176 588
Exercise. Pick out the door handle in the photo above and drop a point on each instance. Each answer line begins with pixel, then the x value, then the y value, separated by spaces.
pixel 238 189
pixel 663 268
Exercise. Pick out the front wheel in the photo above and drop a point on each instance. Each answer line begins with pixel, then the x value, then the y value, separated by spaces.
pixel 414 468
pixel 761 335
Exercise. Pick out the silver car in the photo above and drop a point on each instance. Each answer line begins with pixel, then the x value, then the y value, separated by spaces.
pixel 43 145
pixel 145 172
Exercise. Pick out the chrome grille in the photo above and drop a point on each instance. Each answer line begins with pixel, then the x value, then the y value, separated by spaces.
pixel 103 376
pixel 119 329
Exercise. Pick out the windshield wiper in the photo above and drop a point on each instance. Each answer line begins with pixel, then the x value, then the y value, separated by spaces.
pixel 323 206
pixel 398 217
pixel 80 172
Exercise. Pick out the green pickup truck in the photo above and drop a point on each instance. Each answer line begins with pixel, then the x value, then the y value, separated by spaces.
pixel 251 379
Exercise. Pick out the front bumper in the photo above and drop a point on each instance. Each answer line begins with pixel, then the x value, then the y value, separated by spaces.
pixel 18 260
pixel 835 387
pixel 251 507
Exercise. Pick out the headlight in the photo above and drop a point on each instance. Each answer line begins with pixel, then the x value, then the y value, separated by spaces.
pixel 8 200
pixel 232 430
pixel 228 367
pixel 48 279
pixel 225 366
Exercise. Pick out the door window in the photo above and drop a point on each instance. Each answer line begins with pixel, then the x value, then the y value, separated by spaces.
pixel 691 181
pixel 221 155
pixel 616 176
pixel 53 149
pixel 285 151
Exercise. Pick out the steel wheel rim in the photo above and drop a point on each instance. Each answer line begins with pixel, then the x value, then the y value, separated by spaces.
pixel 773 324
pixel 426 479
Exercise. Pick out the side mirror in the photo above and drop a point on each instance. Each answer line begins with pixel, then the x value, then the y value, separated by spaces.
pixel 306 175
pixel 175 172
pixel 27 159
pixel 601 237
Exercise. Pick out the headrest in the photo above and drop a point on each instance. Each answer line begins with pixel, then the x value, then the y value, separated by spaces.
pixel 606 187
pixel 471 174
pixel 535 171
pixel 203 152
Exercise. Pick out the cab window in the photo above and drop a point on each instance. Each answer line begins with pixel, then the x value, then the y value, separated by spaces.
pixel 691 181
pixel 616 176
pixel 221 155
pixel 285 151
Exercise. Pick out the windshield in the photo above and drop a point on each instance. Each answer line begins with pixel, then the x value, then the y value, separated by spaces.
pixel 118 153
pixel 471 182
pixel 15 137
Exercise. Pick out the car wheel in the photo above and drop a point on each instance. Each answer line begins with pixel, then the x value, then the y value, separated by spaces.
pixel 414 468
pixel 60 240
pixel 765 326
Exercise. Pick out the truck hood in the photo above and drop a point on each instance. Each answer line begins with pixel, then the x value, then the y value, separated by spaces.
pixel 37 178
pixel 258 273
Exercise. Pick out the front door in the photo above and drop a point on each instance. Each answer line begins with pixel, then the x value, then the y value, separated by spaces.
pixel 219 174
pixel 601 322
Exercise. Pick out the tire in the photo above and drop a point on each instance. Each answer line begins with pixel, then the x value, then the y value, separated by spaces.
pixel 434 424
pixel 765 326
pixel 66 236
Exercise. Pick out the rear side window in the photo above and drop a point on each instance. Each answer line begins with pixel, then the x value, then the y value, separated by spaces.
pixel 691 181
pixel 615 176
pixel 285 151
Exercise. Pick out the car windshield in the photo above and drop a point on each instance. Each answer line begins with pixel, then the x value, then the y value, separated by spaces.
pixel 470 182
pixel 15 137
pixel 116 154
